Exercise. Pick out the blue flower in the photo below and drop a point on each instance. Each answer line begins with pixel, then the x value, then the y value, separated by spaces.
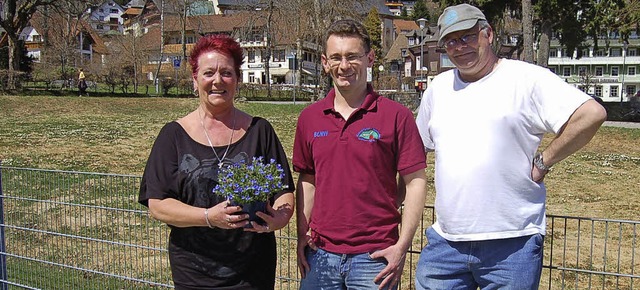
pixel 254 181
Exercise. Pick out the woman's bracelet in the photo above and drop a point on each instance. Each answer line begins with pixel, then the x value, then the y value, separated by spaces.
pixel 206 217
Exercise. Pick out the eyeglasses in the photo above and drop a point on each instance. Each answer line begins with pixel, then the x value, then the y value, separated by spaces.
pixel 336 60
pixel 465 39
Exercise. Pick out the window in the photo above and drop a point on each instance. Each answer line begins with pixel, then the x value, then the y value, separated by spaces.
pixel 190 39
pixel 252 77
pixel 615 71
pixel 585 52
pixel 99 27
pixel 553 69
pixel 113 20
pixel 114 10
pixel 37 38
pixel 616 52
pixel 278 55
pixel 566 71
pixel 445 61
pixel 553 52
pixel 599 52
pixel 582 70
pixel 598 91
pixel 251 55
pixel 613 91
pixel 632 52
pixel 630 90
pixel 631 70
pixel 599 71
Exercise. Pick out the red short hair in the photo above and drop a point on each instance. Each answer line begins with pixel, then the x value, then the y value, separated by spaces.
pixel 220 43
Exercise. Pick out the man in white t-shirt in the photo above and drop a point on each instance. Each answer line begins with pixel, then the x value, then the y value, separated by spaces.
pixel 485 120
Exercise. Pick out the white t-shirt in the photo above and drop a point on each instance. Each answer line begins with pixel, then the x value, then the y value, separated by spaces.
pixel 485 135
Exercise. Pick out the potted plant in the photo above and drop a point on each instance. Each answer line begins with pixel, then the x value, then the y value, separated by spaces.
pixel 250 185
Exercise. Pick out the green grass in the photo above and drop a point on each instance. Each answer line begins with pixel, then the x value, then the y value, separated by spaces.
pixel 65 278
pixel 115 135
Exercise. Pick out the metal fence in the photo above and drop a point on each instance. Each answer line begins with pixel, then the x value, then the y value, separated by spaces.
pixel 78 230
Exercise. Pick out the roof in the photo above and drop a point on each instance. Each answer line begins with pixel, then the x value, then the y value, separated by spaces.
pixel 383 9
pixel 136 3
pixel 362 7
pixel 402 25
pixel 151 39
pixel 395 52
pixel 132 11
pixel 207 24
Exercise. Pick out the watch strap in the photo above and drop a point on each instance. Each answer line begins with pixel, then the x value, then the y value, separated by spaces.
pixel 539 163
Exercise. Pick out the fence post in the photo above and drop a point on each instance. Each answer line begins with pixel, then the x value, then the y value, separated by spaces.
pixel 3 247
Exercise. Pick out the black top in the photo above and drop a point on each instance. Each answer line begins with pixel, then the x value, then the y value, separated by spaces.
pixel 203 258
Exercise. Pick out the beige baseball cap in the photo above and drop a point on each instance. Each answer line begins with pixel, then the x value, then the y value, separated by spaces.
pixel 457 18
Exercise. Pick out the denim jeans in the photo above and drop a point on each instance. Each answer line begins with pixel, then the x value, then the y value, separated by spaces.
pixel 329 271
pixel 514 263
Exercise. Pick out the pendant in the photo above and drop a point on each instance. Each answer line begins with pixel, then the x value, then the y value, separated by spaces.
pixel 219 164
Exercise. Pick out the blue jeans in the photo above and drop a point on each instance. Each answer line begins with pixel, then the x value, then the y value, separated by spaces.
pixel 514 263
pixel 329 271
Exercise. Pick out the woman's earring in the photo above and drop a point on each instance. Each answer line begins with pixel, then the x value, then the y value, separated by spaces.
pixel 195 93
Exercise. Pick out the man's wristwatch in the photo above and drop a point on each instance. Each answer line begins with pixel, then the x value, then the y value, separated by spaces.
pixel 539 163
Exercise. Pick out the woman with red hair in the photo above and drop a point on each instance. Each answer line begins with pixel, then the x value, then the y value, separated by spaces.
pixel 211 245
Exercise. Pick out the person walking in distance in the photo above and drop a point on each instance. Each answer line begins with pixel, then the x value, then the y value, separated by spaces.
pixel 82 84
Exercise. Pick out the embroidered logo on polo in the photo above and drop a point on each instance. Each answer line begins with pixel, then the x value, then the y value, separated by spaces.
pixel 369 135
pixel 318 134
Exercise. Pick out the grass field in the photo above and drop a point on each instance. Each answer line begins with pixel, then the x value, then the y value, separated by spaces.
pixel 114 135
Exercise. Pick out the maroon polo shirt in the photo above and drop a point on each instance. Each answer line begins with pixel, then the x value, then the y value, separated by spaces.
pixel 355 162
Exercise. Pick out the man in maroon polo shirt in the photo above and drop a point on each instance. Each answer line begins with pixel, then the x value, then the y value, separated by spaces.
pixel 348 149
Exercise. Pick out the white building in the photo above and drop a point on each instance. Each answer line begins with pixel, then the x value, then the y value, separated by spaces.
pixel 32 40
pixel 106 17
pixel 611 73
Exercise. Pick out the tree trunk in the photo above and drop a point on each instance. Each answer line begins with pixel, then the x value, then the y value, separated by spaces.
pixel 155 78
pixel 544 43
pixel 527 30
pixel 267 56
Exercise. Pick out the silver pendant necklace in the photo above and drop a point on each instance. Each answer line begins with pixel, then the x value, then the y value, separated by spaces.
pixel 220 160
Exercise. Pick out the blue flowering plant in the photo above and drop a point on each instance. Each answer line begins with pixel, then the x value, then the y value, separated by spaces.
pixel 245 183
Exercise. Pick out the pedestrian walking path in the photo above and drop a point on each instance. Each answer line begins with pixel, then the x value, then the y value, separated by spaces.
pixel 622 124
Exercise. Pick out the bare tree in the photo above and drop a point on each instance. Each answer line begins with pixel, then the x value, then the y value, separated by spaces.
pixel 161 56
pixel 17 14
pixel 127 49
pixel 527 30
pixel 322 13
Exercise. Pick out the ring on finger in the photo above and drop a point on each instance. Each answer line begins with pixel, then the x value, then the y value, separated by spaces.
pixel 228 219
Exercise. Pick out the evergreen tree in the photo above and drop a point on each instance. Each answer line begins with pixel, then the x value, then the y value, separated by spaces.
pixel 420 10
pixel 404 14
pixel 373 24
